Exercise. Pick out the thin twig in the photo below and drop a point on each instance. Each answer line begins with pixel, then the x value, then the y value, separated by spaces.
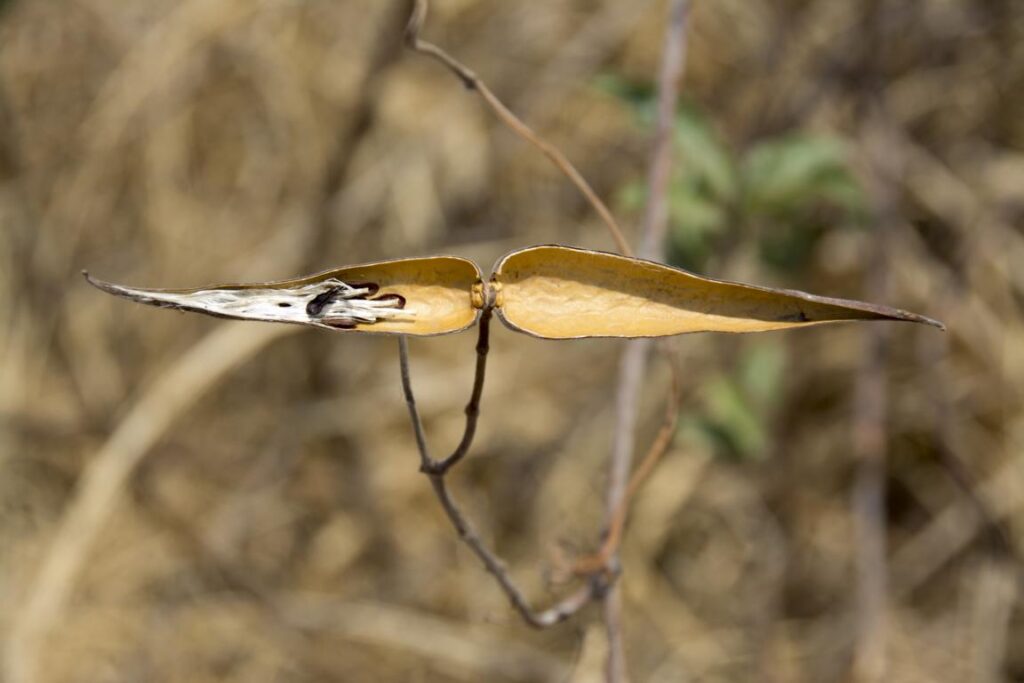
pixel 410 402
pixel 585 566
pixel 869 499
pixel 473 406
pixel 871 398
pixel 673 62
pixel 627 398
pixel 871 393
pixel 634 359
pixel 473 82
pixel 436 470
pixel 631 374
pixel 661 442
pixel 428 464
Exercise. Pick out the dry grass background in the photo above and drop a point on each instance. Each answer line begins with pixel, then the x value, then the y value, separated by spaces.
pixel 278 529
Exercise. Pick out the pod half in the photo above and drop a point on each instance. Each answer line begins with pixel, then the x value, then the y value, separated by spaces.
pixel 557 292
pixel 417 296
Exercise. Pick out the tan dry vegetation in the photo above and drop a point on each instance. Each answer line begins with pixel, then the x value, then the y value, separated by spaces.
pixel 272 524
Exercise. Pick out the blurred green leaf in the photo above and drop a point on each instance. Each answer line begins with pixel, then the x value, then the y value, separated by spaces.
pixel 702 158
pixel 735 419
pixel 795 189
pixel 632 196
pixel 785 193
pixel 640 96
pixel 695 220
pixel 783 176
pixel 737 405
pixel 704 187
pixel 760 372
pixel 694 213
pixel 788 244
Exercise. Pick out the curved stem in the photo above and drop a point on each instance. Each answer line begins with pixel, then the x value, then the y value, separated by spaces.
pixel 473 82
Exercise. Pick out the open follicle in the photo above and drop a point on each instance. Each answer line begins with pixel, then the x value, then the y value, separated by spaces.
pixel 547 291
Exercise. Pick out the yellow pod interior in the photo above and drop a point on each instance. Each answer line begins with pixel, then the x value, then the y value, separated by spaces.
pixel 558 292
pixel 437 292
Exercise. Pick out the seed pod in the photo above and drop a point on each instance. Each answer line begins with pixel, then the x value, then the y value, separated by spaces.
pixel 552 292
pixel 556 292
pixel 417 296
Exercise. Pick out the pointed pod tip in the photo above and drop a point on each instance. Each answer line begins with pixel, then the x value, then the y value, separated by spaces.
pixel 107 287
pixel 923 319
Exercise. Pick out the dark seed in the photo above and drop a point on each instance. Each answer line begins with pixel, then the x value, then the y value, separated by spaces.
pixel 396 300
pixel 317 303
pixel 372 287
pixel 341 324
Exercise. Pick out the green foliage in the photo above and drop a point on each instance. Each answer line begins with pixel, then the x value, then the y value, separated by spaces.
pixel 796 188
pixel 795 171
pixel 639 95
pixel 784 193
pixel 736 406
pixel 703 192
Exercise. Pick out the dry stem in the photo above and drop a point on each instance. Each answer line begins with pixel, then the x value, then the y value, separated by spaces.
pixel 436 470
pixel 602 568
pixel 634 359
pixel 871 398
pixel 613 536
pixel 473 82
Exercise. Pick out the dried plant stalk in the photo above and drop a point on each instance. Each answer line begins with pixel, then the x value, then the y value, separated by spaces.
pixel 514 123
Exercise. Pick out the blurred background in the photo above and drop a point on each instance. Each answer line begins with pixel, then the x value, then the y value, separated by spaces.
pixel 256 512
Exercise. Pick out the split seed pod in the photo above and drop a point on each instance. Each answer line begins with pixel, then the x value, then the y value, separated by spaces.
pixel 551 292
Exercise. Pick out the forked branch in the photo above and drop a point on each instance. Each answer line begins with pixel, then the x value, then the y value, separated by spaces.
pixel 596 584
pixel 428 465
pixel 599 570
